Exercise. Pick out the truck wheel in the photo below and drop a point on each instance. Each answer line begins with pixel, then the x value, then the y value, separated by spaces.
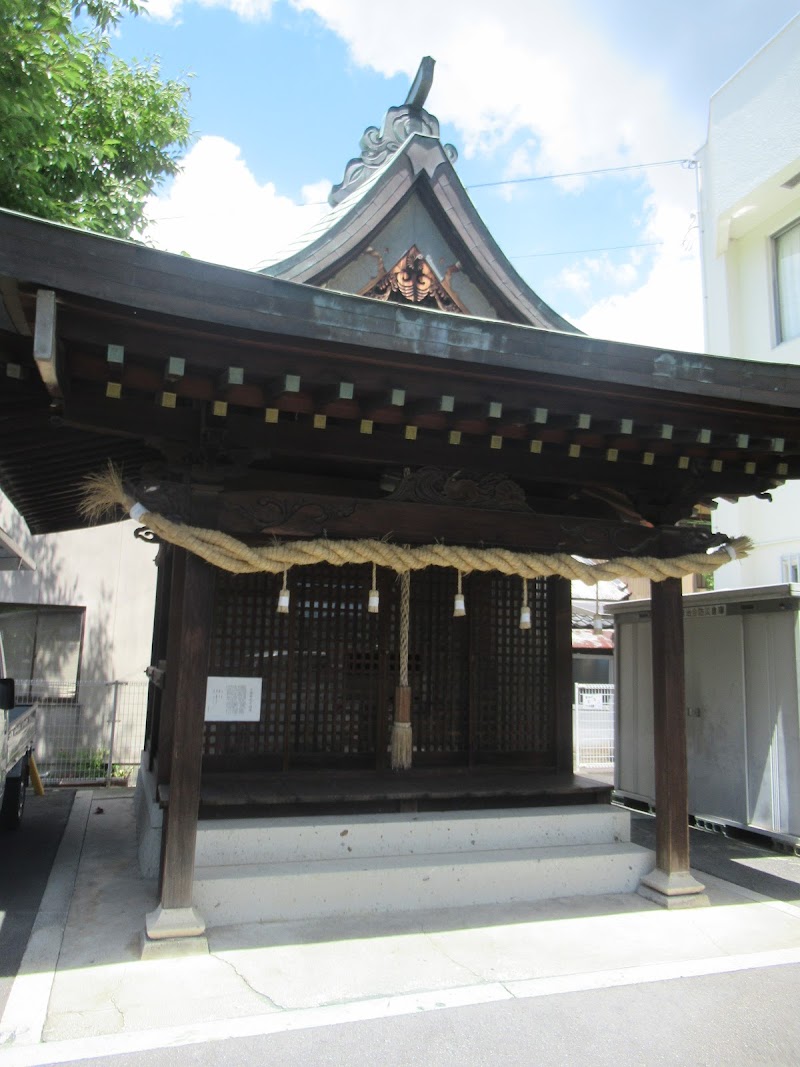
pixel 13 803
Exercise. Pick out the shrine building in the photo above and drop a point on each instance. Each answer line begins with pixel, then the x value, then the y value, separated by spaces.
pixel 373 468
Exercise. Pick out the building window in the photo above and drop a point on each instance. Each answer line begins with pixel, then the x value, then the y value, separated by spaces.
pixel 787 282
pixel 42 642
pixel 790 568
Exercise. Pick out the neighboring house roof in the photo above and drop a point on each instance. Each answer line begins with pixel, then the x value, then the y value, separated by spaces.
pixel 402 194
pixel 593 639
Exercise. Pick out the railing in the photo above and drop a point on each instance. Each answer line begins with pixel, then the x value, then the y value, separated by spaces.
pixel 593 728
pixel 89 732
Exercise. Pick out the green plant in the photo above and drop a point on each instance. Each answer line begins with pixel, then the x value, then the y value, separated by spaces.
pixel 89 763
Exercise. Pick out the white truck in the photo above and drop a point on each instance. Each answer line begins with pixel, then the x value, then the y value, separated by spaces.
pixel 17 724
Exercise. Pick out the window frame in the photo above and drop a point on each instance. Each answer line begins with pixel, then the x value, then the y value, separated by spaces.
pixel 10 608
pixel 790 561
pixel 776 287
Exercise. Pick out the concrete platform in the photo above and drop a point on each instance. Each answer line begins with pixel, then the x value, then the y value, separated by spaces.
pixel 84 991
pixel 312 867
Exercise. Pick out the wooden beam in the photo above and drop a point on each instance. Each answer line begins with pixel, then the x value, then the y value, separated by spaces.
pixel 262 514
pixel 45 341
pixel 191 675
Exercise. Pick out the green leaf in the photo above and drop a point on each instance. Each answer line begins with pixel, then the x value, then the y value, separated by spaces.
pixel 84 136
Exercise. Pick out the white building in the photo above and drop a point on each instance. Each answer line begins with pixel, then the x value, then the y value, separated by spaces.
pixel 749 180
pixel 82 605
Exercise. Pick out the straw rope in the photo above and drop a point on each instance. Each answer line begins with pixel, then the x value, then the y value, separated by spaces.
pixel 405 615
pixel 105 492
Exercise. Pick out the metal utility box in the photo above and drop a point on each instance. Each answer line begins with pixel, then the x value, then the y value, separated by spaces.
pixel 742 649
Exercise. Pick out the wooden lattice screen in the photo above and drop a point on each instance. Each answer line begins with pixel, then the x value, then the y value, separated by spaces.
pixel 482 688
pixel 514 690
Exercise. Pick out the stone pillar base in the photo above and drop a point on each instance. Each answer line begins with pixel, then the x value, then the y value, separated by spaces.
pixel 173 932
pixel 677 890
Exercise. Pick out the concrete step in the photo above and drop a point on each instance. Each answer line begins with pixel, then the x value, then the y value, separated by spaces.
pixel 232 842
pixel 327 888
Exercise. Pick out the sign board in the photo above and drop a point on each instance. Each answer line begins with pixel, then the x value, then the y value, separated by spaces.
pixel 233 700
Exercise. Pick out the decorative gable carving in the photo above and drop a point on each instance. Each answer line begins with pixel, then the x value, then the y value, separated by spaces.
pixel 412 279
pixel 377 145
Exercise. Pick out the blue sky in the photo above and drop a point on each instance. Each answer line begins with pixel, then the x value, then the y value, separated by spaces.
pixel 283 89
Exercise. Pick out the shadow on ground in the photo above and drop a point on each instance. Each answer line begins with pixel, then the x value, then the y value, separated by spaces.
pixel 26 857
pixel 741 860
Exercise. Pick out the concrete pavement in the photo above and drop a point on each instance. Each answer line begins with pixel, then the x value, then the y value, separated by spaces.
pixel 82 990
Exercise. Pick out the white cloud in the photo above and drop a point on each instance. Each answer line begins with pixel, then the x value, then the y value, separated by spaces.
pixel 216 210
pixel 249 10
pixel 666 310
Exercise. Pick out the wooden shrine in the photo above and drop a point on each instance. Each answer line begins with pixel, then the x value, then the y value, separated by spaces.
pixel 285 411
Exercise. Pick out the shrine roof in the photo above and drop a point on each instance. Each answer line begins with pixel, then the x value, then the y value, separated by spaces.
pixel 149 350
pixel 407 160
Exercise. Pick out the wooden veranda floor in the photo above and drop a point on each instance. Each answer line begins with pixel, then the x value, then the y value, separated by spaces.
pixel 420 789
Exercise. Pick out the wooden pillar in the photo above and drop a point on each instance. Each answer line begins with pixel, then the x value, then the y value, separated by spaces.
pixel 187 667
pixel 177 564
pixel 670 883
pixel 560 595
pixel 158 654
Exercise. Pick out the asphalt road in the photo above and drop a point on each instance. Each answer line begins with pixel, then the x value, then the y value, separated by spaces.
pixel 742 1018
pixel 26 856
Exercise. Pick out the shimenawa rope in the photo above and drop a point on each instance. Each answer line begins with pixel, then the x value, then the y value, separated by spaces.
pixel 105 492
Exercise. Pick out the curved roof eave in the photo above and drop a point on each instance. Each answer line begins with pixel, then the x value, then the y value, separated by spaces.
pixel 421 162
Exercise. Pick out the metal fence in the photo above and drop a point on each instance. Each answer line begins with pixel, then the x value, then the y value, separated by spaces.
pixel 89 732
pixel 95 731
pixel 593 727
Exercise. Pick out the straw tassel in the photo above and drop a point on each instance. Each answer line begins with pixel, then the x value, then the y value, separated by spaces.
pixel 402 734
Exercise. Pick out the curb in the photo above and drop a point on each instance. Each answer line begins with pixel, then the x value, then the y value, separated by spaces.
pixel 26 1009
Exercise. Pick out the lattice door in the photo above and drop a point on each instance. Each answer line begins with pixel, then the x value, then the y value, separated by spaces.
pixel 250 640
pixel 322 666
pixel 338 661
pixel 438 669
pixel 512 670
pixel 481 687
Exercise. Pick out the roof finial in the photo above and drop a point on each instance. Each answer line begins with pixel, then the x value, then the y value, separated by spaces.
pixel 399 124
pixel 421 85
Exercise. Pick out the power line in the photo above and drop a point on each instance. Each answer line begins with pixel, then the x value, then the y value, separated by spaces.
pixel 688 163
pixel 583 251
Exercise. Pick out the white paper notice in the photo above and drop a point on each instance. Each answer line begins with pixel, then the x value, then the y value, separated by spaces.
pixel 233 700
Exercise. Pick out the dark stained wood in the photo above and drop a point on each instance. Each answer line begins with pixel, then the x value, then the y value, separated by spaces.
pixel 158 653
pixel 560 629
pixel 483 689
pixel 574 397
pixel 137 277
pixel 191 671
pixel 166 725
pixel 285 514
pixel 669 723
pixel 326 790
